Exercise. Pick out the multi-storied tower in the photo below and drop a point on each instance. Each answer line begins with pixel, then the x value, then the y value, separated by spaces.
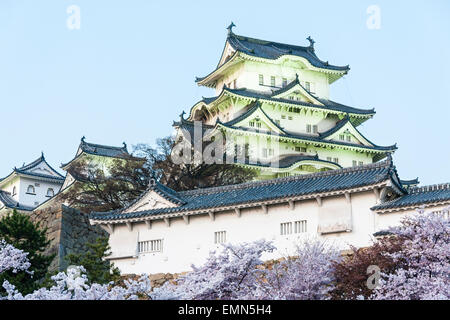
pixel 273 99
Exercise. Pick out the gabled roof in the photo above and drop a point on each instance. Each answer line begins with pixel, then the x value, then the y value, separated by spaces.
pixel 253 108
pixel 342 126
pixel 8 202
pixel 99 150
pixel 254 193
pixel 104 150
pixel 296 85
pixel 31 168
pixel 418 196
pixel 160 189
pixel 326 105
pixel 246 47
pixel 274 50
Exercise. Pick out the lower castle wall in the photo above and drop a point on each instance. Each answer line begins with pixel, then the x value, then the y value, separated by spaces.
pixel 68 231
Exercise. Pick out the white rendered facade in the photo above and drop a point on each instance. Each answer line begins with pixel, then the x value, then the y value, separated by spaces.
pixel 29 186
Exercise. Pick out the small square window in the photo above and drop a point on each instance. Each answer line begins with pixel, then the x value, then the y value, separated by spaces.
pixel 349 138
pixel 361 163
pixel 308 128
pixel 290 117
pixel 315 129
pixel 355 163
pixel 220 237
pixel 336 160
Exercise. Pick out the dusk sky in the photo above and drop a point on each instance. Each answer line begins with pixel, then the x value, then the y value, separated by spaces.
pixel 129 70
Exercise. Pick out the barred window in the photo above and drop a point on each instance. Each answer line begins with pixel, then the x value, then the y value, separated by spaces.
pixel 220 237
pixel 315 128
pixel 272 81
pixel 286 228
pixel 261 79
pixel 300 226
pixel 355 163
pixel 150 246
pixel 284 82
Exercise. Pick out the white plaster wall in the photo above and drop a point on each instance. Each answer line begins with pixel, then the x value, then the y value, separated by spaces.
pixel 247 76
pixel 186 244
pixel 41 191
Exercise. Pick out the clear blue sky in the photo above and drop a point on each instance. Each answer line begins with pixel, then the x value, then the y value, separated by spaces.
pixel 129 71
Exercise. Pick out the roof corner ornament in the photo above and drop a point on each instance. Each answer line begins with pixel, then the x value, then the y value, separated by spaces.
pixel 389 158
pixel 296 77
pixel 124 145
pixel 182 115
pixel 83 138
pixel 42 155
pixel 230 28
pixel 311 42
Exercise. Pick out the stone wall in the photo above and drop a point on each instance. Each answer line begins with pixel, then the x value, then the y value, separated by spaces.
pixel 68 231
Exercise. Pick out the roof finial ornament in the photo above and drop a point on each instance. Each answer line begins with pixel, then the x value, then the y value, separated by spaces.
pixel 42 154
pixel 182 115
pixel 230 28
pixel 311 42
pixel 296 77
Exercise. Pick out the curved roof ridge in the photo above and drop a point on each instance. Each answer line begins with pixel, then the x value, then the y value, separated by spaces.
pixel 381 164
pixel 428 188
pixel 335 107
pixel 338 126
pixel 95 145
pixel 306 52
pixel 249 112
pixel 317 139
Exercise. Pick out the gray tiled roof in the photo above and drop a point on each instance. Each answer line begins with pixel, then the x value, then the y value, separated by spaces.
pixel 103 150
pixel 328 104
pixel 419 196
pixel 100 150
pixel 5 198
pixel 274 50
pixel 255 192
pixel 25 170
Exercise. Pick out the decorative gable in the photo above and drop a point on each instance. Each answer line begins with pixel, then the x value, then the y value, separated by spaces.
pixel 346 132
pixel 256 118
pixel 150 201
pixel 157 196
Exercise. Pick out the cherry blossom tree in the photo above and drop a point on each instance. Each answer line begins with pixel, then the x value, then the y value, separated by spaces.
pixel 12 258
pixel 423 262
pixel 308 275
pixel 226 275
